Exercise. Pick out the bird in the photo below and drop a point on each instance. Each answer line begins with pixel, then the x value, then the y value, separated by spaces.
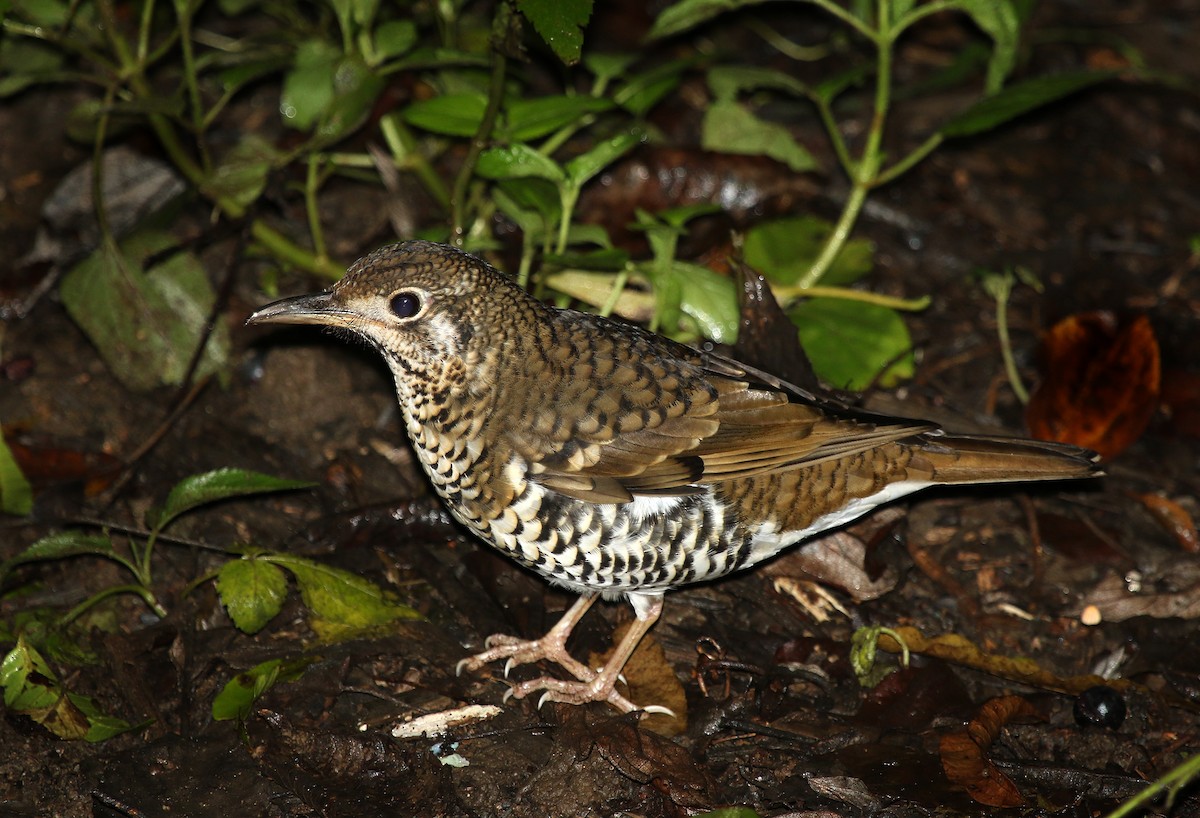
pixel 616 462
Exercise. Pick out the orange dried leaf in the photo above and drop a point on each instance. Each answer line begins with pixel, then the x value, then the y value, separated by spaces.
pixel 1173 517
pixel 964 757
pixel 1101 382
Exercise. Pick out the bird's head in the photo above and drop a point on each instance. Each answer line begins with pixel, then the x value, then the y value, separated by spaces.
pixel 419 303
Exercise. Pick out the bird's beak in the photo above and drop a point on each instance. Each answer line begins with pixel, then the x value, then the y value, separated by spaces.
pixel 302 309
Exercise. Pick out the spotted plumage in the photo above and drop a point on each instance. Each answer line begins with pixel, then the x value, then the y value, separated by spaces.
pixel 614 461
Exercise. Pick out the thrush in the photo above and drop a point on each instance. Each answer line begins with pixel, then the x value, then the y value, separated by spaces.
pixel 616 462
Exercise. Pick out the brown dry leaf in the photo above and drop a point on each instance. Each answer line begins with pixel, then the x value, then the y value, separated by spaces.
pixel 651 680
pixel 1116 603
pixel 1174 518
pixel 958 649
pixel 837 559
pixel 963 752
pixel 1101 382
pixel 1181 401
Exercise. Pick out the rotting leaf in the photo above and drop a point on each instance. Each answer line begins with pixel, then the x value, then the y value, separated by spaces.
pixel 32 689
pixel 1174 518
pixel 1100 385
pixel 952 647
pixel 964 757
pixel 652 681
pixel 146 323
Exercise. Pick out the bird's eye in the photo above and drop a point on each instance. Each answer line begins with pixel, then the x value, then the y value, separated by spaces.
pixel 405 304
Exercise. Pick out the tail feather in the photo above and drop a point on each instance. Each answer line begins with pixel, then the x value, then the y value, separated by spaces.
pixel 982 459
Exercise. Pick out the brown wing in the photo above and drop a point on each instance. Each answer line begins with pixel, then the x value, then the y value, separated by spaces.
pixel 635 414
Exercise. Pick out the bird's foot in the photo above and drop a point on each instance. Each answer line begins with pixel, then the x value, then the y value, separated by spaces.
pixel 601 688
pixel 526 651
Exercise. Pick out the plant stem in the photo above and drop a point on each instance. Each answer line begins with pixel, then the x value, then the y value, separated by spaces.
pixel 787 293
pixel 145 593
pixel 312 183
pixel 1010 364
pixel 1172 781
pixel 289 253
pixel 483 135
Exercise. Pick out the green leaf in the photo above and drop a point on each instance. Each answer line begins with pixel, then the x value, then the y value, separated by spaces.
pixel 517 161
pixel 643 91
pixel 537 195
pixel 71 543
pixel 355 88
pixel 241 174
pixel 16 495
pixel 727 81
pixel 710 299
pixel 308 87
pixel 146 323
pixel 784 249
pixel 220 484
pixel 687 14
pixel 451 115
pixel 999 20
pixel 586 165
pixel 534 118
pixel 560 23
pixel 1019 99
pixel 342 603
pixel 850 342
pixel 394 38
pixel 252 592
pixel 25 62
pixel 240 692
pixel 729 127
pixel 32 689
pixel 607 67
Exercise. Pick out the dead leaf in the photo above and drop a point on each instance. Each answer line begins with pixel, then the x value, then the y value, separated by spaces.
pixel 1100 385
pixel 1180 400
pixel 1173 517
pixel 651 680
pixel 964 753
pixel 952 647
pixel 1116 602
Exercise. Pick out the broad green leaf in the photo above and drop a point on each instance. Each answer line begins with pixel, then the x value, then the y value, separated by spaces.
pixel 240 692
pixel 52 14
pixel 607 67
pixel 252 592
pixel 146 323
pixel 220 484
pixel 850 342
pixel 538 195
pixel 586 165
pixel 710 299
pixel 517 161
pixel 453 115
pixel 608 260
pixel 641 92
pixel 32 689
pixel 832 86
pixel 560 23
pixel 16 495
pixel 308 87
pixel 241 174
pixel 999 20
pixel 730 812
pixel 528 119
pixel 395 37
pixel 578 234
pixel 1019 99
pixel 240 74
pixel 727 81
pixel 687 14
pixel 729 127
pixel 784 249
pixel 71 543
pixel 355 88
pixel 25 62
pixel 342 603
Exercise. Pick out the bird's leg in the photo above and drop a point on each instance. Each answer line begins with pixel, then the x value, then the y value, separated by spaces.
pixel 601 686
pixel 552 646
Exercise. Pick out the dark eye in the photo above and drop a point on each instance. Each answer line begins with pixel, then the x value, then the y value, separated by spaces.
pixel 406 304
